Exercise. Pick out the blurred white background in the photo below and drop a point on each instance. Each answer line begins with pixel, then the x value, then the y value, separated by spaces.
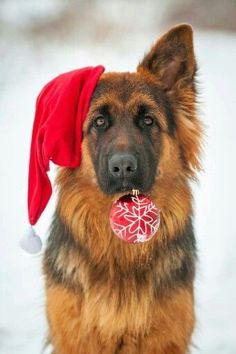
pixel 39 40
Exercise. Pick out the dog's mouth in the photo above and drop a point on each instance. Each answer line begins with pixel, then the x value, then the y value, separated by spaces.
pixel 124 191
pixel 125 186
pixel 122 187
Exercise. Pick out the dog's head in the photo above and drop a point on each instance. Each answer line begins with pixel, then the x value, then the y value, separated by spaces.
pixel 141 126
pixel 123 132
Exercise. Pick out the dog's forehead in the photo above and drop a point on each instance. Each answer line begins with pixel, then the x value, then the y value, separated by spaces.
pixel 124 86
pixel 128 91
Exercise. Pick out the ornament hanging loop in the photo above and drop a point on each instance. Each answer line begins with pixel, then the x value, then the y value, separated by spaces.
pixel 135 192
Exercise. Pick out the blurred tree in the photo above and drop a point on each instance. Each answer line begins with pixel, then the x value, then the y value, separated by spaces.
pixel 100 19
pixel 209 14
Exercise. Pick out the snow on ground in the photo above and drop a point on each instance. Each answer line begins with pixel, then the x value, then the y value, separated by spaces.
pixel 25 68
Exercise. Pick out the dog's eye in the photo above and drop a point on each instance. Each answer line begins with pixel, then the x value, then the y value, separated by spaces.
pixel 99 122
pixel 148 120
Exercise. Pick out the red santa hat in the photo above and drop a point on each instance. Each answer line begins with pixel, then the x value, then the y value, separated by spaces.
pixel 61 109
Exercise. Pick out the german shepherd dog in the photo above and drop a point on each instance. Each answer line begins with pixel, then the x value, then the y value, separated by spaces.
pixel 141 131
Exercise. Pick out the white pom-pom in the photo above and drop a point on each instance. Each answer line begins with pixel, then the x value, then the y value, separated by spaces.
pixel 31 242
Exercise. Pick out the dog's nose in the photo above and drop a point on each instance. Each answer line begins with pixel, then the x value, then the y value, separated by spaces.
pixel 122 165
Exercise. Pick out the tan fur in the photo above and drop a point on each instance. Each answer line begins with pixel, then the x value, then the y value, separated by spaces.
pixel 170 324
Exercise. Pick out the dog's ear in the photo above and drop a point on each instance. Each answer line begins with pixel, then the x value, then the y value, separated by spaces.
pixel 172 59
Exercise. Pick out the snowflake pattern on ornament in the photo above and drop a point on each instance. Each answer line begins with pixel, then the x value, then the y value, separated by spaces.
pixel 135 219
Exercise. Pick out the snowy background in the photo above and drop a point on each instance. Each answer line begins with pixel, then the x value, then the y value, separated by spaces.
pixel 39 40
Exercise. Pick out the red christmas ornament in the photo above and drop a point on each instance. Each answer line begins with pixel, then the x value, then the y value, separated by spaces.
pixel 134 218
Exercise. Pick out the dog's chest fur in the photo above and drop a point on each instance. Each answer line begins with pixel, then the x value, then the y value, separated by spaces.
pixel 118 294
